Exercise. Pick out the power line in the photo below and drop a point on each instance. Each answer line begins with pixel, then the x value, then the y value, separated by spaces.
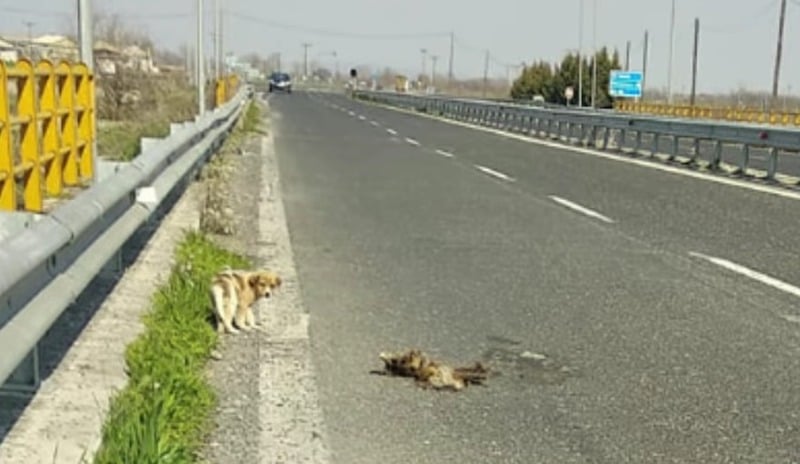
pixel 40 13
pixel 751 21
pixel 124 15
pixel 332 33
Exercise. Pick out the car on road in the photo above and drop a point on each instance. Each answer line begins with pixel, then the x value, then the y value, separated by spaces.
pixel 280 81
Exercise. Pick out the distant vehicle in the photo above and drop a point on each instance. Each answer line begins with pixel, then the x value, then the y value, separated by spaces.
pixel 280 81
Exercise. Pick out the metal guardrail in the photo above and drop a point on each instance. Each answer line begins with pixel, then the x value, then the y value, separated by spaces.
pixel 45 268
pixel 600 129
pixel 50 119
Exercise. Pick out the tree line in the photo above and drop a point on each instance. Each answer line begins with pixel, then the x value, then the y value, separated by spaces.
pixel 551 80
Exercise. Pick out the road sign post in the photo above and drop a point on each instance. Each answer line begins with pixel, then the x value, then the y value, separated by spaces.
pixel 625 84
pixel 569 92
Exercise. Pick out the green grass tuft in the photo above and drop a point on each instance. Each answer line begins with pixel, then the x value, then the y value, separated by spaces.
pixel 252 117
pixel 163 413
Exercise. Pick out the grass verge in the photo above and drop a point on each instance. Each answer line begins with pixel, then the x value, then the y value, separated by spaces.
pixel 121 140
pixel 252 117
pixel 163 414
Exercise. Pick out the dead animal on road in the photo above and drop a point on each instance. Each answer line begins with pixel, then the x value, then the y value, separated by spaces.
pixel 429 373
pixel 233 292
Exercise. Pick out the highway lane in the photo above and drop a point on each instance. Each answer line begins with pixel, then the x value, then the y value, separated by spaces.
pixel 670 211
pixel 612 349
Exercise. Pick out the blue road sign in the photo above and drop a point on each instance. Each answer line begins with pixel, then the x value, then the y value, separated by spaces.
pixel 625 84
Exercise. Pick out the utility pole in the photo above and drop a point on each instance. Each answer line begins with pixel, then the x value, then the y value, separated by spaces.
pixel 29 25
pixel 580 54
pixel 424 52
pixel 86 39
pixel 433 69
pixel 776 76
pixel 628 55
pixel 671 52
pixel 694 60
pixel 644 61
pixel 594 61
pixel 222 38
pixel 217 35
pixel 485 73
pixel 201 79
pixel 450 65
pixel 305 58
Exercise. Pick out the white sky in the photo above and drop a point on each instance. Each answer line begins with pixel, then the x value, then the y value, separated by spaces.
pixel 737 38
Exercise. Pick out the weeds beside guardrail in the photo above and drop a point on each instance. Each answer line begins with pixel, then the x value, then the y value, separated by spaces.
pixel 163 414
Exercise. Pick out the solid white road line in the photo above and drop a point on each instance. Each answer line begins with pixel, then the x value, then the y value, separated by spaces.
pixel 581 209
pixel 412 142
pixel 391 131
pixel 747 272
pixel 446 154
pixel 494 173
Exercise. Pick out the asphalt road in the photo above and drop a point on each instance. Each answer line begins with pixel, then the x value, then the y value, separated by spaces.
pixel 571 274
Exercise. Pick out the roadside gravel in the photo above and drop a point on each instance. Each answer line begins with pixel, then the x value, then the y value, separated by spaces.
pixel 267 404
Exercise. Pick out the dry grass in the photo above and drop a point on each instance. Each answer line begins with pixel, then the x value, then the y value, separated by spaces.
pixel 132 105
pixel 216 213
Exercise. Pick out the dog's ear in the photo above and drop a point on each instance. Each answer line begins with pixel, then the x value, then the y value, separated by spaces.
pixel 252 280
pixel 276 281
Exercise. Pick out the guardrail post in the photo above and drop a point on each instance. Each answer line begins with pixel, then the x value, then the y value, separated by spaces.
pixel 638 142
pixel 26 379
pixel 8 191
pixel 620 139
pixel 695 149
pixel 85 110
pixel 30 171
pixel 65 84
pixel 772 163
pixel 674 147
pixel 656 138
pixel 716 158
pixel 51 151
pixel 745 160
pixel 592 142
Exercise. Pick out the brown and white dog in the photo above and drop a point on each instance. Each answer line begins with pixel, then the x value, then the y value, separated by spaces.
pixel 233 292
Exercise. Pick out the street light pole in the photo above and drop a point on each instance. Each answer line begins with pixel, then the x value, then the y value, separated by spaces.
pixel 671 52
pixel 201 79
pixel 594 61
pixel 580 54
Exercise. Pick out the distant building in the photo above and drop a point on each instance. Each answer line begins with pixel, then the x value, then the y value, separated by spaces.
pixel 106 57
pixel 8 52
